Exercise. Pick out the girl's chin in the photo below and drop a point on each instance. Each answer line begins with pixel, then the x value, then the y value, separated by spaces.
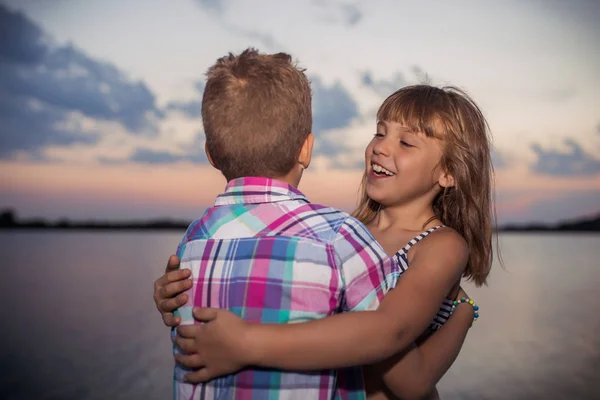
pixel 375 196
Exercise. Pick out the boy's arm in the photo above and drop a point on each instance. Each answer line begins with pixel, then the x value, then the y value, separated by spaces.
pixel 415 372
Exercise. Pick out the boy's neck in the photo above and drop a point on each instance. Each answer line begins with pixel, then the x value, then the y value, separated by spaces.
pixel 292 178
pixel 290 182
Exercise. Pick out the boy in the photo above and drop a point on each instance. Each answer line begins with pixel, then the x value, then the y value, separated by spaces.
pixel 263 251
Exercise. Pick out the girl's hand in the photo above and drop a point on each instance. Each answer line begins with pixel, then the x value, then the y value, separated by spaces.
pixel 168 291
pixel 218 347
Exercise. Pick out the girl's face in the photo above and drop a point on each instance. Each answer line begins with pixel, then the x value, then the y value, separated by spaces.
pixel 402 166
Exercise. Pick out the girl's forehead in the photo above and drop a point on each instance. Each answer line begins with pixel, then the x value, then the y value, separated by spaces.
pixel 398 126
pixel 433 128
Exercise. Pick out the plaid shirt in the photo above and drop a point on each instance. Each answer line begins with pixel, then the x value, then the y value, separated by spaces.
pixel 267 254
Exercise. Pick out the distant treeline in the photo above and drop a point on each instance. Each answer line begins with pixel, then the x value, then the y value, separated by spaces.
pixel 8 220
pixel 589 224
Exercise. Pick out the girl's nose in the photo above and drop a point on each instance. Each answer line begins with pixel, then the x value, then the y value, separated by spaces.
pixel 382 148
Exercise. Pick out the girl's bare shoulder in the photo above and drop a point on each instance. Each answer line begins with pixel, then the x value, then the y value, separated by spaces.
pixel 443 243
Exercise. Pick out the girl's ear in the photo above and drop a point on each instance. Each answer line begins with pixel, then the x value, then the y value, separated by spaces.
pixel 446 180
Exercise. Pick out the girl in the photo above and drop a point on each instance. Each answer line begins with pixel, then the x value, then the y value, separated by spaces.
pixel 426 198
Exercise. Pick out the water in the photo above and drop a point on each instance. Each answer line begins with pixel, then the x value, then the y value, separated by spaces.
pixel 78 320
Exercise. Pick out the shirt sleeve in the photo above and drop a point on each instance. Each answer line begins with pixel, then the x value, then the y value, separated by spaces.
pixel 366 271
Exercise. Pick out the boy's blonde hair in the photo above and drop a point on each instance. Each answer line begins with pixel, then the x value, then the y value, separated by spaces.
pixel 256 112
pixel 450 115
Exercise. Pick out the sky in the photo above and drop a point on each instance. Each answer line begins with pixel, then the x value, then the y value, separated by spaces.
pixel 100 100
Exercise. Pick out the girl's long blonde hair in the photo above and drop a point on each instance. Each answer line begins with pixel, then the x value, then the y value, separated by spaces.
pixel 449 114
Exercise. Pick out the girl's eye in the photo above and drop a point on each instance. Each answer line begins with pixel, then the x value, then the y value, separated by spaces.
pixel 405 144
pixel 379 134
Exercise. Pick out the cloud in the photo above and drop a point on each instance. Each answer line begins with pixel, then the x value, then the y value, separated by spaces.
pixel 192 108
pixel 550 207
pixel 193 153
pixel 20 40
pixel 385 87
pixel 42 86
pixel 499 160
pixel 27 125
pixel 148 156
pixel 218 7
pixel 573 162
pixel 333 108
pixel 266 39
pixel 351 14
pixel 348 14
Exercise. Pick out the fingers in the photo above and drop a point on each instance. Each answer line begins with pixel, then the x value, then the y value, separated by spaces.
pixel 164 293
pixel 187 331
pixel 177 275
pixel 191 361
pixel 174 287
pixel 202 375
pixel 171 277
pixel 169 305
pixel 190 331
pixel 170 320
pixel 185 345
pixel 173 263
pixel 205 314
pixel 171 284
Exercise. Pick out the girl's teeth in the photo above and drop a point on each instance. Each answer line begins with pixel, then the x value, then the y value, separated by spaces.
pixel 379 169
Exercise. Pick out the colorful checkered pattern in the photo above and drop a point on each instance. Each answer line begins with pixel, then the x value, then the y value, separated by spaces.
pixel 267 254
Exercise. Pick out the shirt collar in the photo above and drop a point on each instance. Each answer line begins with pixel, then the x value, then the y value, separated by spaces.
pixel 256 190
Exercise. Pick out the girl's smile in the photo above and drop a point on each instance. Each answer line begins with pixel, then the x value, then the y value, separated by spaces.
pixel 378 171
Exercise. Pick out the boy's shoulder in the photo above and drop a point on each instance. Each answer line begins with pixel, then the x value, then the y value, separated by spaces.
pixel 309 221
pixel 326 212
pixel 340 222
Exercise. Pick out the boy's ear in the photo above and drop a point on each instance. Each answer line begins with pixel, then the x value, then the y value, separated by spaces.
pixel 210 159
pixel 306 151
pixel 446 180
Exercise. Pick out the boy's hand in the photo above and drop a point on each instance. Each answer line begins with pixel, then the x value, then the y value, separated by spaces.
pixel 216 348
pixel 168 289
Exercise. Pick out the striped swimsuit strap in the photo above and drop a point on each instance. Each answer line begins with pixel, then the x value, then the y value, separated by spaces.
pixel 402 257
pixel 418 238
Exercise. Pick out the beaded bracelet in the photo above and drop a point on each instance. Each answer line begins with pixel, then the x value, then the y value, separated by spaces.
pixel 471 302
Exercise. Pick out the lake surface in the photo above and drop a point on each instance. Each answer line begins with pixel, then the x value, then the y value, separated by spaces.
pixel 78 319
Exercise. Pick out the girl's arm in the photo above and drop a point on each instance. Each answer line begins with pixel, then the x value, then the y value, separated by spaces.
pixel 415 372
pixel 227 343
pixel 360 338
